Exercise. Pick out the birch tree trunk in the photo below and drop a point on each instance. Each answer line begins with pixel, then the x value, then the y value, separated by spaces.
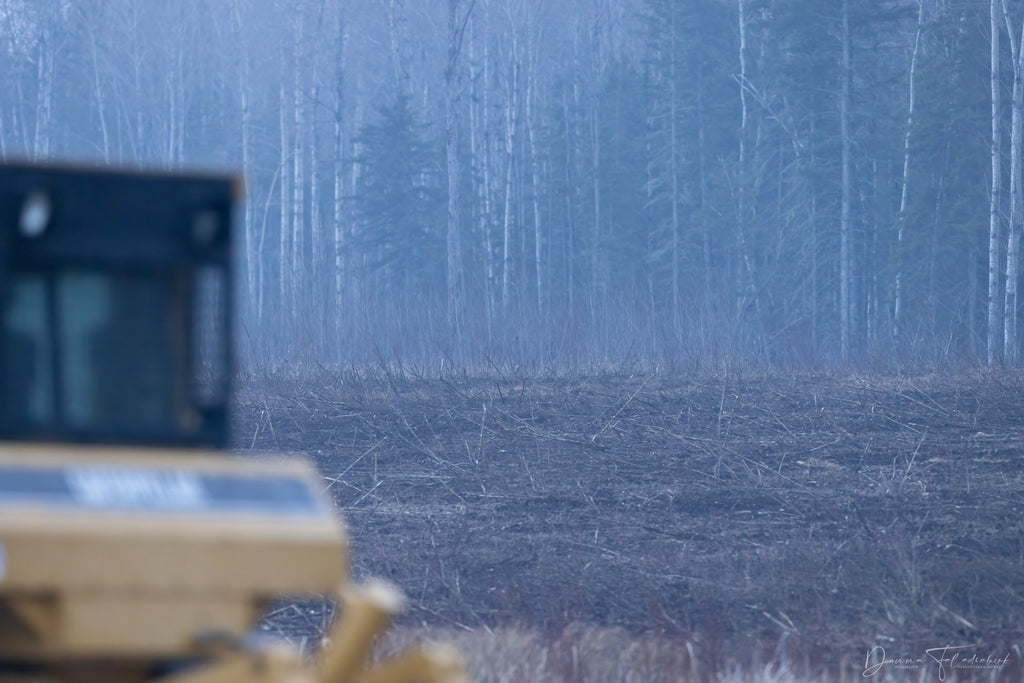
pixel 673 154
pixel 905 183
pixel 705 230
pixel 1016 202
pixel 298 171
pixel 937 222
pixel 453 231
pixel 995 197
pixel 318 241
pixel 480 145
pixel 742 171
pixel 284 273
pixel 845 275
pixel 98 95
pixel 339 247
pixel 813 216
pixel 397 63
pixel 570 253
pixel 535 179
pixel 44 90
pixel 596 279
pixel 511 123
pixel 356 263
pixel 175 153
pixel 253 258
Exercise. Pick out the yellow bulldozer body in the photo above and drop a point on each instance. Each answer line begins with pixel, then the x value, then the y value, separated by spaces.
pixel 132 546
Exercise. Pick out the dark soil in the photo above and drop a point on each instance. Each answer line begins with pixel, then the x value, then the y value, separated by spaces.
pixel 809 517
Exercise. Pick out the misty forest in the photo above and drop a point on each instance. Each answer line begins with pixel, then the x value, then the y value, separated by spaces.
pixel 635 339
pixel 579 184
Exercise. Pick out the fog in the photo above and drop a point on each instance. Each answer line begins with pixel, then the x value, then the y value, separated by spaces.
pixel 468 183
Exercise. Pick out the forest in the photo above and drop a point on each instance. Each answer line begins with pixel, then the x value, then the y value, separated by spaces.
pixel 647 340
pixel 474 183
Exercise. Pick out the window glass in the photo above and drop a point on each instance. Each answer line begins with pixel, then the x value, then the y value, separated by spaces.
pixel 84 309
pixel 96 352
pixel 210 372
pixel 26 391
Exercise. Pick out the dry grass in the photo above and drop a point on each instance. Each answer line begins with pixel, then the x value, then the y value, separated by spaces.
pixel 709 528
pixel 523 655
pixel 612 655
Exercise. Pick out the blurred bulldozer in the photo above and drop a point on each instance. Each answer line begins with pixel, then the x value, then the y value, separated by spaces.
pixel 132 546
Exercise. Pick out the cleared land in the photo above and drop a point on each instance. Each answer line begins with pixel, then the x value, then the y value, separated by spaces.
pixel 742 519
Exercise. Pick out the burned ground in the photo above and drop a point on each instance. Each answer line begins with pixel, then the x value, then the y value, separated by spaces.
pixel 758 517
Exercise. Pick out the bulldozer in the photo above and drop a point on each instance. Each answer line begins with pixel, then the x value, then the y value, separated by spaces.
pixel 134 546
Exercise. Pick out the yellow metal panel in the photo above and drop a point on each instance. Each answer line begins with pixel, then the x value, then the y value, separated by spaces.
pixel 91 552
pixel 113 625
pixel 275 665
pixel 112 574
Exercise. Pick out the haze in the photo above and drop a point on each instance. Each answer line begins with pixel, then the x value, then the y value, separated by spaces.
pixel 571 184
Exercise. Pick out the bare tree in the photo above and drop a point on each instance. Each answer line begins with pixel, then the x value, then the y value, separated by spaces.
pixel 46 55
pixel 453 232
pixel 285 273
pixel 905 183
pixel 480 151
pixel 299 132
pixel 511 127
pixel 845 274
pixel 340 245
pixel 995 197
pixel 742 170
pixel 532 51
pixel 92 23
pixel 673 152
pixel 1016 198
pixel 253 261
